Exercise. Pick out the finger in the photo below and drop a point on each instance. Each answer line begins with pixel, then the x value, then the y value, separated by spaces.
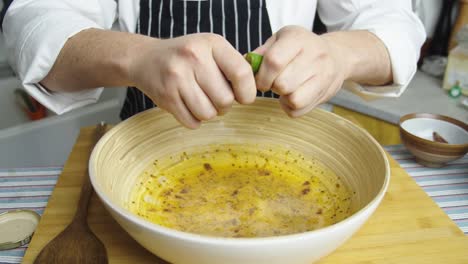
pixel 215 86
pixel 197 101
pixel 323 96
pixel 293 76
pixel 275 59
pixel 308 93
pixel 284 104
pixel 261 49
pixel 180 111
pixel 237 70
pixel 296 113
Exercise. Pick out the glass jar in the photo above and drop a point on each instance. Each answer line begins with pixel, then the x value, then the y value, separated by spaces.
pixel 457 65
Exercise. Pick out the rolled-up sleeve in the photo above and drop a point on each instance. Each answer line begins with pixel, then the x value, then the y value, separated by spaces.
pixel 35 32
pixel 393 22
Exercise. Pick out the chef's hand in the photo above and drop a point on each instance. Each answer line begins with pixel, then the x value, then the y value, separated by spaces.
pixel 305 69
pixel 194 77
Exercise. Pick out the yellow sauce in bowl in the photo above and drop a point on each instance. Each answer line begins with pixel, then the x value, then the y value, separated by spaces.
pixel 240 190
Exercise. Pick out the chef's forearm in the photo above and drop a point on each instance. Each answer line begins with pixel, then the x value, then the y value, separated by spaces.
pixel 94 58
pixel 366 57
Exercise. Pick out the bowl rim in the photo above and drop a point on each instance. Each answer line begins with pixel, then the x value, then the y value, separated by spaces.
pixel 213 240
pixel 421 140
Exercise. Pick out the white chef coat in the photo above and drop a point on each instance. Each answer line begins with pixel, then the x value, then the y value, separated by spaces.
pixel 35 32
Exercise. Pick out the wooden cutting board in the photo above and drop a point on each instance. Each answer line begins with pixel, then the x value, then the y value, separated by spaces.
pixel 408 227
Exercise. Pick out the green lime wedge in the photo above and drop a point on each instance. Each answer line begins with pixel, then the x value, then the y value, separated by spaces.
pixel 255 61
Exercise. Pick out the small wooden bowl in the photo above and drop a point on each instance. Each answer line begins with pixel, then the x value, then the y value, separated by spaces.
pixel 128 148
pixel 417 133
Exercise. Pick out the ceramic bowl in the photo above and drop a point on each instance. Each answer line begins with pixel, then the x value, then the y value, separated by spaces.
pixel 422 133
pixel 127 149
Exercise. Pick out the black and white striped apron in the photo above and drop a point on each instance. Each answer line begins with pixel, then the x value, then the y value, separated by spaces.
pixel 244 23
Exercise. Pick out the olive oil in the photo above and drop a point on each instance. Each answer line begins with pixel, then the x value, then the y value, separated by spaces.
pixel 240 190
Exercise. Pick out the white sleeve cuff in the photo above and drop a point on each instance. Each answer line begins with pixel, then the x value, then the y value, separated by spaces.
pixel 403 69
pixel 42 48
pixel 401 32
pixel 64 101
pixel 375 92
pixel 35 33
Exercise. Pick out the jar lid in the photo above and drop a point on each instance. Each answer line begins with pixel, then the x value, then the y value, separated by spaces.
pixel 17 228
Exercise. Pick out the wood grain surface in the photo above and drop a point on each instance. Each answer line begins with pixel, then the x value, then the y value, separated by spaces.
pixel 385 133
pixel 87 248
pixel 408 227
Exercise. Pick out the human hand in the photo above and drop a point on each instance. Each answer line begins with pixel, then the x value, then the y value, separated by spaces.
pixel 305 69
pixel 194 77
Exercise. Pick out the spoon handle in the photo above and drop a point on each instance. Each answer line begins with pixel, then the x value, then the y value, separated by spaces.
pixel 86 189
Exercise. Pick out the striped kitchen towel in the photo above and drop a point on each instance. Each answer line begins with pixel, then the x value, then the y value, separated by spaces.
pixel 447 186
pixel 25 188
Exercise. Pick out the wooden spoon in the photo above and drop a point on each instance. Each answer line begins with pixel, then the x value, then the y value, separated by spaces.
pixel 77 243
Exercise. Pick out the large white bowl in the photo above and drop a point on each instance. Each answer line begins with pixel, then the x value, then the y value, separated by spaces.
pixel 127 149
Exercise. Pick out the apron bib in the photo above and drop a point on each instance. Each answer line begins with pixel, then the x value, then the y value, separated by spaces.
pixel 244 23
